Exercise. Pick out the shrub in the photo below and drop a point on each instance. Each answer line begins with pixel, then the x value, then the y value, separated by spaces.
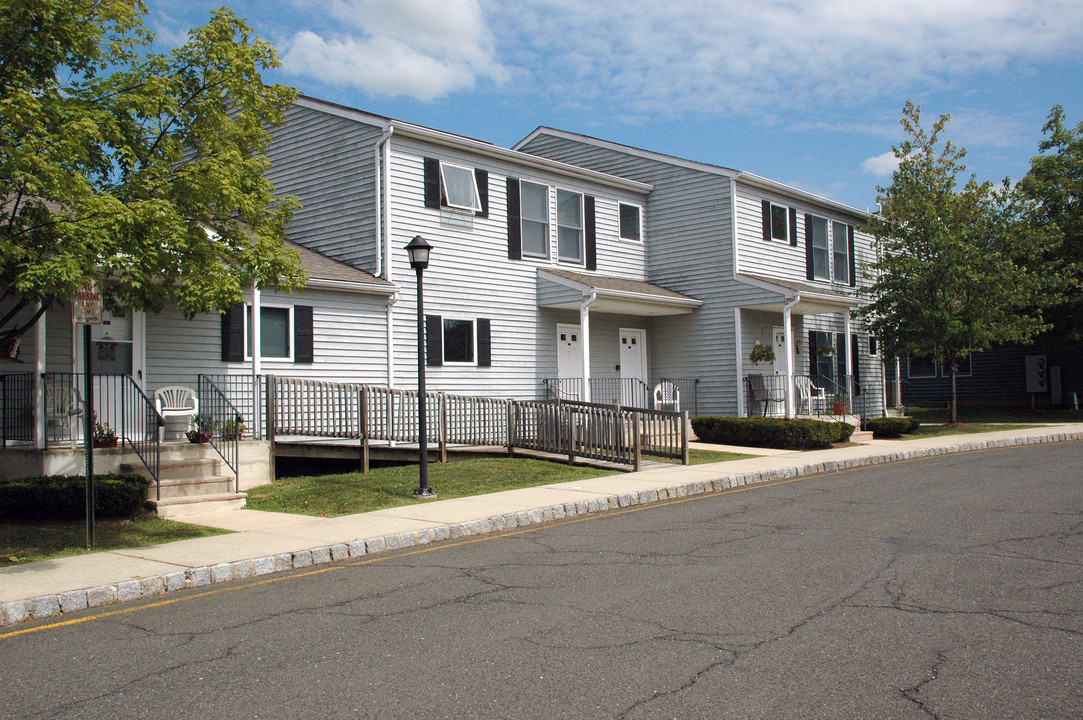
pixel 63 497
pixel 891 427
pixel 781 433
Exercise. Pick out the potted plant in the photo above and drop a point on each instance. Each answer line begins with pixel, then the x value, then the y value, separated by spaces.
pixel 826 350
pixel 104 436
pixel 761 353
pixel 200 428
pixel 838 402
pixel 232 429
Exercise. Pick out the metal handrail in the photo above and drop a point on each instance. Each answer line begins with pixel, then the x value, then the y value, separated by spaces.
pixel 139 413
pixel 227 423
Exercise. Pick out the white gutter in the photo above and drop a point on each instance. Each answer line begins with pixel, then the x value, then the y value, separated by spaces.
pixel 391 340
pixel 584 332
pixel 733 226
pixel 377 157
pixel 787 329
pixel 349 286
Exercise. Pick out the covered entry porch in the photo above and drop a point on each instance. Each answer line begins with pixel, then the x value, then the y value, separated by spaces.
pixel 815 360
pixel 600 328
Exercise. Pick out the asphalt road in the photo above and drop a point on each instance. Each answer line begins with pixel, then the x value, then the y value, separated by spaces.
pixel 946 588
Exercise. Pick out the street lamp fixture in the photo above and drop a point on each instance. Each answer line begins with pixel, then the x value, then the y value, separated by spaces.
pixel 419 249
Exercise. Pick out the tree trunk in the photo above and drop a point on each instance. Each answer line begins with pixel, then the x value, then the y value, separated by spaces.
pixel 953 405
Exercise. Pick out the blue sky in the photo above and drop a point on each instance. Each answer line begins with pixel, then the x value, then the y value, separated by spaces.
pixel 805 92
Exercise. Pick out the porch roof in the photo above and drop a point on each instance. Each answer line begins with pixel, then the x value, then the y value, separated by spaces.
pixel 323 272
pixel 567 290
pixel 815 300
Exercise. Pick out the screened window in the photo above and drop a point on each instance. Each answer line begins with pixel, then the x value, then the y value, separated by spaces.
pixel 275 332
pixel 459 187
pixel 534 210
pixel 569 226
pixel 821 252
pixel 874 346
pixel 629 222
pixel 840 244
pixel 780 223
pixel 458 341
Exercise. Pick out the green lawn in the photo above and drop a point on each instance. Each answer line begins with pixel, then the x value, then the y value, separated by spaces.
pixel 928 431
pixel 349 493
pixel 987 415
pixel 31 541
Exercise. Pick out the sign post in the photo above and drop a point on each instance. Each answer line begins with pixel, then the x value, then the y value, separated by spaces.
pixel 86 310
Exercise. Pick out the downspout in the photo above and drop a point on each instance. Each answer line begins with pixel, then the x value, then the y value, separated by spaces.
pixel 584 331
pixel 787 329
pixel 391 340
pixel 377 159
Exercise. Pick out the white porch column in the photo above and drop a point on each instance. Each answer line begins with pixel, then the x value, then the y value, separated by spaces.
pixel 739 359
pixel 38 384
pixel 787 330
pixel 584 333
pixel 849 354
pixel 257 365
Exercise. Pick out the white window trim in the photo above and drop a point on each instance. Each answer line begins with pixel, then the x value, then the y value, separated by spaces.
pixel 786 215
pixel 874 346
pixel 476 207
pixel 845 253
pixel 829 249
pixel 548 221
pixel 473 339
pixel 639 212
pixel 290 333
pixel 582 259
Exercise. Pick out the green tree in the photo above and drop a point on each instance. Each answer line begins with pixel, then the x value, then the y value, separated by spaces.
pixel 140 170
pixel 955 272
pixel 1054 189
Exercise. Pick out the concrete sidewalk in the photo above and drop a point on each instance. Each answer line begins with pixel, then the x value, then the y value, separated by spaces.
pixel 265 542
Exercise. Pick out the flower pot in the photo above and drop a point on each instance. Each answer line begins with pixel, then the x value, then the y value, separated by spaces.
pixel 839 408
pixel 199 437
pixel 106 443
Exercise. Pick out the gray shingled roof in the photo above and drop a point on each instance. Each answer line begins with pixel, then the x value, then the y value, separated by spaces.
pixel 321 267
pixel 602 282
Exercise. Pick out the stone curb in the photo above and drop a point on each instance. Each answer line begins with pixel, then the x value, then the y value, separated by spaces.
pixel 46 606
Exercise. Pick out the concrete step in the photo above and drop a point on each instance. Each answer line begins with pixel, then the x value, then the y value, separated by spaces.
pixel 193 486
pixel 192 505
pixel 861 436
pixel 177 469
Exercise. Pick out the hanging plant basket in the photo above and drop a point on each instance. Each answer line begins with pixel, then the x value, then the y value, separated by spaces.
pixel 761 353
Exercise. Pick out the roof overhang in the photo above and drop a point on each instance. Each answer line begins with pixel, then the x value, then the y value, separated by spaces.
pixel 813 300
pixel 616 296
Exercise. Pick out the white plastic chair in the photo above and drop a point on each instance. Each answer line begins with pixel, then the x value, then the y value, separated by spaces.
pixel 63 406
pixel 807 393
pixel 667 396
pixel 176 401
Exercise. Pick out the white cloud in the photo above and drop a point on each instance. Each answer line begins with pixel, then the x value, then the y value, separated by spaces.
pixel 882 165
pixel 773 56
pixel 420 48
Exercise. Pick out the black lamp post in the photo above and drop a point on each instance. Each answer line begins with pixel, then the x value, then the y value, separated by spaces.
pixel 419 249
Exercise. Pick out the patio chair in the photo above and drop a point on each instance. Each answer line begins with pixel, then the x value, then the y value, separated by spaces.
pixel 667 396
pixel 63 407
pixel 175 402
pixel 811 397
pixel 759 392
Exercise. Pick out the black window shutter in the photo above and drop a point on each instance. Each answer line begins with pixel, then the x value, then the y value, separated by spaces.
pixel 850 252
pixel 809 273
pixel 515 227
pixel 481 177
pixel 233 334
pixel 793 227
pixel 589 232
pixel 766 206
pixel 840 356
pixel 855 360
pixel 302 334
pixel 812 352
pixel 434 340
pixel 485 343
pixel 432 183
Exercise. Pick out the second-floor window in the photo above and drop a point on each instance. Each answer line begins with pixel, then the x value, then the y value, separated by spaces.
pixel 840 252
pixel 821 253
pixel 629 222
pixel 534 204
pixel 570 226
pixel 829 250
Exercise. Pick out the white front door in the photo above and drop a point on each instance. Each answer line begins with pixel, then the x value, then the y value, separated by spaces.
pixel 633 367
pixel 117 347
pixel 569 361
pixel 779 342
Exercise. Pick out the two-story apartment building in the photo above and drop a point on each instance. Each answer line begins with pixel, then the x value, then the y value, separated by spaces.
pixel 567 264
pixel 772 264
